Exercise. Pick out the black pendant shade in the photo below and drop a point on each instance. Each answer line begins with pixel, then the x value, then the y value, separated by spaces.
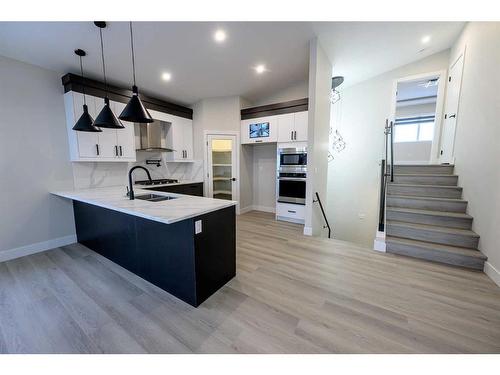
pixel 135 111
pixel 85 123
pixel 107 119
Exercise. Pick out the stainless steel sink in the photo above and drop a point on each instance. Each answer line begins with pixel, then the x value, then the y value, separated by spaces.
pixel 154 197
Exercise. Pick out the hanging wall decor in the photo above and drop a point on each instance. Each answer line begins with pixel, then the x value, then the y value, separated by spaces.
pixel 337 143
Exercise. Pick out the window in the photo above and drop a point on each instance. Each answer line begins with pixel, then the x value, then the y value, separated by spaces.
pixel 414 129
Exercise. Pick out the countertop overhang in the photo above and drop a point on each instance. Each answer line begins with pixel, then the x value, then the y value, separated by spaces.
pixel 168 211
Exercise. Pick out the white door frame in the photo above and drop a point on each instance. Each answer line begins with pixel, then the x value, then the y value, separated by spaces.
pixel 442 74
pixel 205 162
pixel 460 54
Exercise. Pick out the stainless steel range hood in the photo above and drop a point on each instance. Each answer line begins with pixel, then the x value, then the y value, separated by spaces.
pixel 153 137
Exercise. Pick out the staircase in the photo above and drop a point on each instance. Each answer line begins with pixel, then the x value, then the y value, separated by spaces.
pixel 425 217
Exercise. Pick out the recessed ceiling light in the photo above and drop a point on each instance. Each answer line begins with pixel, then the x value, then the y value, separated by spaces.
pixel 261 68
pixel 166 76
pixel 220 36
pixel 426 39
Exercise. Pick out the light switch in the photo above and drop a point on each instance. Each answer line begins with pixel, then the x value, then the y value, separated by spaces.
pixel 197 226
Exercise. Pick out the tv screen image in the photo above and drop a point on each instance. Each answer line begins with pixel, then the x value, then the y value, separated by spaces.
pixel 259 130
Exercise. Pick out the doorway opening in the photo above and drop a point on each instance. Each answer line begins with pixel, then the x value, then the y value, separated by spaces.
pixel 417 109
pixel 222 166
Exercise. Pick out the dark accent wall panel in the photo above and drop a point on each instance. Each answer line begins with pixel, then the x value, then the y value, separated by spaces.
pixel 292 106
pixel 73 82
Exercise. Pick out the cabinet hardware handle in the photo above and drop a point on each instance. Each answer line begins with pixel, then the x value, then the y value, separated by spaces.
pixel 97 149
pixel 292 212
pixel 258 141
pixel 116 150
pixel 121 152
pixel 291 135
pixel 295 134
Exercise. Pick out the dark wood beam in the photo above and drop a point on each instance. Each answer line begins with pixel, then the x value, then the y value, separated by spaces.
pixel 73 82
pixel 292 106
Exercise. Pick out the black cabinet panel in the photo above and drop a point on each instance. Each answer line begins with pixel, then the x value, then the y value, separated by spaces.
pixel 171 256
pixel 195 189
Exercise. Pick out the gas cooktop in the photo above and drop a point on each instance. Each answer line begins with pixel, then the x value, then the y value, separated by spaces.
pixel 159 181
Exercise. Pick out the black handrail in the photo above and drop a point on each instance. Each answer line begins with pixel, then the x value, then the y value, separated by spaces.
pixel 383 181
pixel 386 170
pixel 324 215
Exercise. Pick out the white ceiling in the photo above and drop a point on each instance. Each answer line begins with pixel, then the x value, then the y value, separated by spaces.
pixel 201 68
pixel 361 50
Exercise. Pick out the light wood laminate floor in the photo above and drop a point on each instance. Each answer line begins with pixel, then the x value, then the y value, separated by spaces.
pixel 292 294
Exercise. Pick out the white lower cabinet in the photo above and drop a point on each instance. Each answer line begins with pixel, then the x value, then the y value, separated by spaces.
pixel 295 213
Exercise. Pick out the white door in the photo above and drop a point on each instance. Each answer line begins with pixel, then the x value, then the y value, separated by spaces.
pixel 125 140
pixel 301 121
pixel 222 167
pixel 286 127
pixel 188 139
pixel 451 110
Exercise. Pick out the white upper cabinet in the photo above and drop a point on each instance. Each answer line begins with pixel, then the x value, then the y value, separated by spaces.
pixel 259 130
pixel 289 127
pixel 108 145
pixel 286 127
pixel 301 123
pixel 180 139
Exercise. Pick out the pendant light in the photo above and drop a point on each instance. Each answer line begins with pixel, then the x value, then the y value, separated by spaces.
pixel 85 123
pixel 135 110
pixel 106 118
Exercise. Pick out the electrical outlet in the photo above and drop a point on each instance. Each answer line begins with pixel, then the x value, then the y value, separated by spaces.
pixel 362 216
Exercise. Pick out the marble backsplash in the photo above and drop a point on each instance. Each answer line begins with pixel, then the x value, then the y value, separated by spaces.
pixel 102 174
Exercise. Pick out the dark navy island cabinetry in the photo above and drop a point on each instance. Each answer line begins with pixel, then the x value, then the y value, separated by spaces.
pixel 184 244
pixel 195 189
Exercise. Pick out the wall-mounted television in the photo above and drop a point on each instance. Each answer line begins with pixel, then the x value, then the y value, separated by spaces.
pixel 259 130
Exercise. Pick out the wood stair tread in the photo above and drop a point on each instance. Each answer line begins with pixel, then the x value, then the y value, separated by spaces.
pixel 424 175
pixel 426 198
pixel 430 212
pixel 438 247
pixel 426 186
pixel 434 228
pixel 423 165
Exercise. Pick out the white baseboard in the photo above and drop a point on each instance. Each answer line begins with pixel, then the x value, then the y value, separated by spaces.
pixel 379 242
pixel 245 210
pixel 36 247
pixel 264 208
pixel 308 231
pixel 492 272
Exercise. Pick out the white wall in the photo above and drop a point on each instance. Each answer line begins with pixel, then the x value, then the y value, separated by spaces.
pixel 223 114
pixel 477 142
pixel 416 110
pixel 34 160
pixel 320 74
pixel 353 177
pixel 298 90
pixel 264 177
pixel 412 152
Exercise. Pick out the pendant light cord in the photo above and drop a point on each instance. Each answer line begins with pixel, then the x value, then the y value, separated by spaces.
pixel 83 78
pixel 132 45
pixel 103 64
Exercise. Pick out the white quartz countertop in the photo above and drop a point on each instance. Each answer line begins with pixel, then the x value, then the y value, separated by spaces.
pixel 168 211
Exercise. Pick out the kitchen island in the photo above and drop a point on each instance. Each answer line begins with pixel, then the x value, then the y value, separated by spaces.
pixel 185 245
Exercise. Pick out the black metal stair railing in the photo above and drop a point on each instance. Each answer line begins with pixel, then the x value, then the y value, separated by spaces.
pixel 386 170
pixel 327 224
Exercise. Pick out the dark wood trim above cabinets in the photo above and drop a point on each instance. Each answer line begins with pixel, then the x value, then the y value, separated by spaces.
pixel 73 82
pixel 292 106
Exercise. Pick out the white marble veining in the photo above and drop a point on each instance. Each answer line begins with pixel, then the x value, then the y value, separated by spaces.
pixel 102 174
pixel 168 212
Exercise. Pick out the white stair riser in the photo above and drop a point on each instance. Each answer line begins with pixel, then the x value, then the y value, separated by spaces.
pixel 424 169
pixel 435 256
pixel 443 221
pixel 433 236
pixel 427 204
pixel 426 180
pixel 427 191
